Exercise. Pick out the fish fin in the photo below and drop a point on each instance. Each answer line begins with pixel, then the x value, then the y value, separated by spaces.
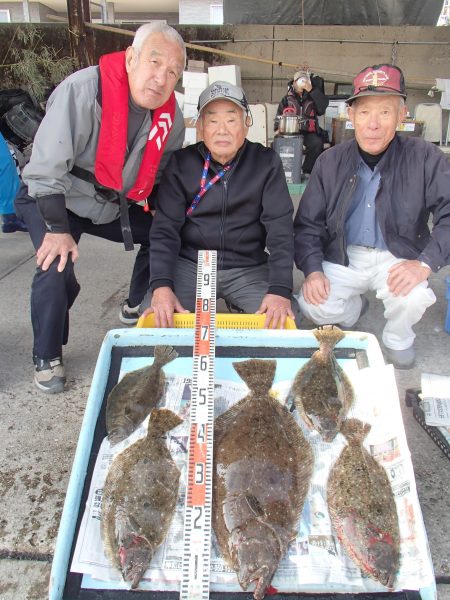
pixel 226 419
pixel 162 420
pixel 121 430
pixel 329 335
pixel 164 355
pixel 257 374
pixel 355 430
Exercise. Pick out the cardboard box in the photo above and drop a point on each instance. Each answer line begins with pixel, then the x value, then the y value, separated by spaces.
pixel 230 73
pixel 198 66
pixel 195 80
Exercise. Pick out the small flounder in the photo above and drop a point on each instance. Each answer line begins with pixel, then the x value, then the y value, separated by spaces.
pixel 139 499
pixel 132 399
pixel 362 508
pixel 321 390
pixel 262 469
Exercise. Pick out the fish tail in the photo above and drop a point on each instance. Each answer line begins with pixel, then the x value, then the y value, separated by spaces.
pixel 257 374
pixel 162 420
pixel 328 335
pixel 355 430
pixel 164 354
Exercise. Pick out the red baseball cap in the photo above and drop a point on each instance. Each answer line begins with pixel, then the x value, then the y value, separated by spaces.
pixel 378 80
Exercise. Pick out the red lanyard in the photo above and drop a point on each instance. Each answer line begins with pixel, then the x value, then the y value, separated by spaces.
pixel 204 188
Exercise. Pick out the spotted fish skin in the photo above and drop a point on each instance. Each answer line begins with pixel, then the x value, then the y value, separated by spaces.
pixel 262 469
pixel 362 508
pixel 322 392
pixel 139 499
pixel 131 400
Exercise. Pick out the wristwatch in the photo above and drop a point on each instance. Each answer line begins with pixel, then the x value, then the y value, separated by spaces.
pixel 424 264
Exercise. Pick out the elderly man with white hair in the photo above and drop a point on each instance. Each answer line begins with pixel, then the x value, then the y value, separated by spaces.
pixel 362 223
pixel 97 159
pixel 227 194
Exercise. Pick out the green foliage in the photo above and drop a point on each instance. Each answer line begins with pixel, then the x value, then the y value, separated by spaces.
pixel 35 66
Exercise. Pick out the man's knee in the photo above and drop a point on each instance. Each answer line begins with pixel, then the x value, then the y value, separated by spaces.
pixel 51 278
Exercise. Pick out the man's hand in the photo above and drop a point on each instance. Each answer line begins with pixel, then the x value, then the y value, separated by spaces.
pixel 316 288
pixel 404 276
pixel 276 309
pixel 54 245
pixel 164 304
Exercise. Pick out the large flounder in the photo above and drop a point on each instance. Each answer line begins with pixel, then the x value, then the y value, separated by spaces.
pixel 362 508
pixel 139 499
pixel 132 399
pixel 262 469
pixel 321 390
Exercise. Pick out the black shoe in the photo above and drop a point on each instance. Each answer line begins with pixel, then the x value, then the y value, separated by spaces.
pixel 49 374
pixel 129 315
pixel 12 223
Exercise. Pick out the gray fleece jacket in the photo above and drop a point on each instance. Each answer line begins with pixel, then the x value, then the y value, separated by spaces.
pixel 68 136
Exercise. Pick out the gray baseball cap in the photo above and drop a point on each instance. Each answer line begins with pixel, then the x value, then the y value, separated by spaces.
pixel 222 90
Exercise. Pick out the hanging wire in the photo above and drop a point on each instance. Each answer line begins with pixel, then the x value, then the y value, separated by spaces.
pixel 305 62
pixel 394 47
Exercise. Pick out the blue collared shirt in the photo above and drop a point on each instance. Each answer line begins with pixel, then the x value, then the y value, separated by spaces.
pixel 361 225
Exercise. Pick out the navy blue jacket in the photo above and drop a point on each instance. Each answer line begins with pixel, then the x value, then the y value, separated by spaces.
pixel 415 182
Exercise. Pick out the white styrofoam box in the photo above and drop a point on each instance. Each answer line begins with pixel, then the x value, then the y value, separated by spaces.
pixel 190 136
pixel 191 95
pixel 230 73
pixel 195 80
pixel 189 110
pixel 271 113
pixel 180 99
pixel 258 131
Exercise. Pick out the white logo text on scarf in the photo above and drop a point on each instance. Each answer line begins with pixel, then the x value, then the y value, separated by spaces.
pixel 164 124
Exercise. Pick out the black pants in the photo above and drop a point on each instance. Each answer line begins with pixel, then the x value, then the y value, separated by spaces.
pixel 53 293
pixel 314 147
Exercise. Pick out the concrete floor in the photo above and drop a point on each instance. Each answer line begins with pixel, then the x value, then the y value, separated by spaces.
pixel 38 433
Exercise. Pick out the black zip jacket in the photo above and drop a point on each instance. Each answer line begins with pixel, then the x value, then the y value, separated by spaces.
pixel 415 182
pixel 246 211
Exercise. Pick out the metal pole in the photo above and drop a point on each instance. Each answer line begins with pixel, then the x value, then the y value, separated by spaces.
pixel 320 41
pixel 26 11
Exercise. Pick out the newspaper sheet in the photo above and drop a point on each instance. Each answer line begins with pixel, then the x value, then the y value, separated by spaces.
pixel 436 399
pixel 315 561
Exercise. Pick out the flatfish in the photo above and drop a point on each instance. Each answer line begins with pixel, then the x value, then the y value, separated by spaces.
pixel 362 508
pixel 139 499
pixel 132 399
pixel 262 469
pixel 322 392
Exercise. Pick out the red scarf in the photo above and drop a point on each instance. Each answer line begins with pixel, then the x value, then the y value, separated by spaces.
pixel 112 142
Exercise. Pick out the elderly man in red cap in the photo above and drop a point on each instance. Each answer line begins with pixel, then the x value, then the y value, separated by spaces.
pixel 362 223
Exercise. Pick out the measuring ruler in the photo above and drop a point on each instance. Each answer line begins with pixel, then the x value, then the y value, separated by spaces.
pixel 197 515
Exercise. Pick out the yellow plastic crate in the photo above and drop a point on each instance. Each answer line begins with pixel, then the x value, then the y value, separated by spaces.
pixel 223 321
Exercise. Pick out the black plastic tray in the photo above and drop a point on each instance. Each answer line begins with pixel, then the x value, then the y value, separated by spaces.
pixel 412 400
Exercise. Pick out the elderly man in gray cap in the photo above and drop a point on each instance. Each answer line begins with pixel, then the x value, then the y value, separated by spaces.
pixel 362 223
pixel 230 195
